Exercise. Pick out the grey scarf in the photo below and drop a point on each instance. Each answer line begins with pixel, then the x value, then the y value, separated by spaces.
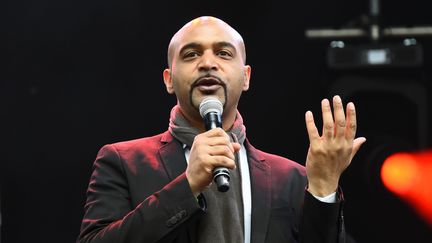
pixel 180 128
pixel 223 222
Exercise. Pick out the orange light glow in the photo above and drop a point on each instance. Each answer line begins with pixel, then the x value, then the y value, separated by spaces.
pixel 409 176
pixel 399 173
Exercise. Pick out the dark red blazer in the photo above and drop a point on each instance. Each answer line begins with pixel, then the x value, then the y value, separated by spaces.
pixel 138 193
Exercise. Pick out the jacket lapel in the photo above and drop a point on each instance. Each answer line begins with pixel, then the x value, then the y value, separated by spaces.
pixel 261 194
pixel 172 156
pixel 174 161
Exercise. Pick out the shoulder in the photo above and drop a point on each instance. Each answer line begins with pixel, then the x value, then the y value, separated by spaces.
pixel 147 142
pixel 136 147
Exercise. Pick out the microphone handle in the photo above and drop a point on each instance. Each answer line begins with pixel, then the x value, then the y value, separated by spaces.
pixel 212 120
pixel 221 175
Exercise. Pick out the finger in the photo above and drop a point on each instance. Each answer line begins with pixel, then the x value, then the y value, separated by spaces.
pixel 214 141
pixel 236 147
pixel 311 128
pixel 351 125
pixel 235 144
pixel 201 141
pixel 216 132
pixel 357 143
pixel 223 161
pixel 221 150
pixel 339 117
pixel 328 123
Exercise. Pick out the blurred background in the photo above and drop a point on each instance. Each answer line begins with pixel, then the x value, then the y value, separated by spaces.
pixel 80 74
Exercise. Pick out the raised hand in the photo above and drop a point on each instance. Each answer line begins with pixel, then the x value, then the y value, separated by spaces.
pixel 209 150
pixel 331 153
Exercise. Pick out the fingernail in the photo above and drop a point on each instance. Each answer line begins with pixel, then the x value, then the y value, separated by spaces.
pixel 325 102
pixel 337 98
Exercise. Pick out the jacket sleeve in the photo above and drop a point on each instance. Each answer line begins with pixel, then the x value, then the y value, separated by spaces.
pixel 322 222
pixel 110 217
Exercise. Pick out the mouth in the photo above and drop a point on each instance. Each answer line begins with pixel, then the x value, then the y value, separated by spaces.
pixel 208 84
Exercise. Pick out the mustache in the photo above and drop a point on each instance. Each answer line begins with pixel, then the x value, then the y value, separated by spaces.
pixel 205 78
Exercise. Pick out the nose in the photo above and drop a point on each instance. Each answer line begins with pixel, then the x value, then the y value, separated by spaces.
pixel 208 62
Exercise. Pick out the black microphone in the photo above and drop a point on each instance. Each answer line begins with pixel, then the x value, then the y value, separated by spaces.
pixel 211 111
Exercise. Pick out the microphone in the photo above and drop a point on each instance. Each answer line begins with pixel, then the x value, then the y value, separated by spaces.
pixel 211 111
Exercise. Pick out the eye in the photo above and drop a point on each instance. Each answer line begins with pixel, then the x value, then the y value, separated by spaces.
pixel 225 54
pixel 190 55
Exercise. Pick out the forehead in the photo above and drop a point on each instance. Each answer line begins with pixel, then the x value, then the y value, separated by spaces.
pixel 206 31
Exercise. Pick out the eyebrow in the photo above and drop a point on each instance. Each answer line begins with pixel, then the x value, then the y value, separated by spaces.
pixel 196 45
pixel 192 45
pixel 224 44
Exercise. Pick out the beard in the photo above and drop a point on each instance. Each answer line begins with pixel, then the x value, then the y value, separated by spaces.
pixel 195 103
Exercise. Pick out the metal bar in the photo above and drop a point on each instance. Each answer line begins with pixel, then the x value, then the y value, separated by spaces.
pixel 357 32
pixel 408 31
pixel 335 33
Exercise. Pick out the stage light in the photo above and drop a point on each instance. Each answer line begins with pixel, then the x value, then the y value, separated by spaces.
pixel 409 176
pixel 399 173
pixel 396 55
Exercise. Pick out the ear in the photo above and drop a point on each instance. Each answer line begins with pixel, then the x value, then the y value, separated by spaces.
pixel 247 74
pixel 168 81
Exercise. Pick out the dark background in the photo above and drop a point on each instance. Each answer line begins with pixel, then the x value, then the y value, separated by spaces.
pixel 80 74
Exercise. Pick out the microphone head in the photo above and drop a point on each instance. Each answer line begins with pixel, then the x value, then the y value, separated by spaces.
pixel 210 104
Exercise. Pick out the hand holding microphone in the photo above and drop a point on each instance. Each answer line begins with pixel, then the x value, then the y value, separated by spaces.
pixel 212 153
pixel 211 110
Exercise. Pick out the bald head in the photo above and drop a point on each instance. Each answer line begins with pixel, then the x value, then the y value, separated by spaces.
pixel 200 23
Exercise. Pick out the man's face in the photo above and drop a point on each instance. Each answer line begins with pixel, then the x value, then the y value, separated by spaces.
pixel 207 60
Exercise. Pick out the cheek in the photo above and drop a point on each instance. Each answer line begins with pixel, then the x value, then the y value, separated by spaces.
pixel 239 80
pixel 177 89
pixel 179 82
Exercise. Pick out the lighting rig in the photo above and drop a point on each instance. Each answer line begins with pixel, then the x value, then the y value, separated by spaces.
pixel 408 53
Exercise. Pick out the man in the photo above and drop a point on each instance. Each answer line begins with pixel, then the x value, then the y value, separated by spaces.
pixel 159 189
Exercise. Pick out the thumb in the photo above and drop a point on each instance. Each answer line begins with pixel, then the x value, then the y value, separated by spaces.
pixel 357 143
